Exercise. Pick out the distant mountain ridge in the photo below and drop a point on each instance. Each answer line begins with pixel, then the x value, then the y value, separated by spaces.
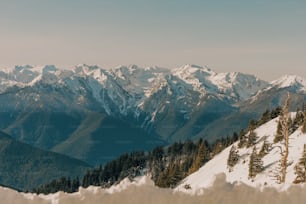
pixel 58 109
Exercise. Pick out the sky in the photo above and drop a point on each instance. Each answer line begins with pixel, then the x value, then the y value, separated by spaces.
pixel 262 37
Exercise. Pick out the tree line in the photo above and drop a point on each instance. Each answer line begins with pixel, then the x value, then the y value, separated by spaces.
pixel 166 165
pixel 285 127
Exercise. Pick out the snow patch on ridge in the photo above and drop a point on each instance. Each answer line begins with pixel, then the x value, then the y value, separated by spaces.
pixel 290 80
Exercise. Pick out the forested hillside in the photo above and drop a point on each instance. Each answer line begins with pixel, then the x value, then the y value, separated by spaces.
pixel 166 165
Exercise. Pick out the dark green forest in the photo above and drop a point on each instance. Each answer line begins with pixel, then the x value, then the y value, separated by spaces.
pixel 166 165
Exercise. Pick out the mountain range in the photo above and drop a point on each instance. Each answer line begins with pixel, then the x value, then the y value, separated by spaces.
pixel 95 114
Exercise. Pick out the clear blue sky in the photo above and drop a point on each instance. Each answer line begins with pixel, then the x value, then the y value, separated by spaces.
pixel 262 37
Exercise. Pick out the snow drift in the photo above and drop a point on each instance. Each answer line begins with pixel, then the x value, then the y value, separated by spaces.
pixel 145 192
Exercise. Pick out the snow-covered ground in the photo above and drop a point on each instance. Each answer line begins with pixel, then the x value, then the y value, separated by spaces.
pixel 143 191
pixel 84 195
pixel 205 176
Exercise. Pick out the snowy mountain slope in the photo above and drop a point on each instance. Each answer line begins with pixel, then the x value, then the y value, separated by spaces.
pixel 276 93
pixel 238 85
pixel 206 175
pixel 123 91
pixel 234 86
pixel 293 81
pixel 136 80
pixel 192 96
pixel 267 98
pixel 71 123
pixel 141 82
pixel 183 103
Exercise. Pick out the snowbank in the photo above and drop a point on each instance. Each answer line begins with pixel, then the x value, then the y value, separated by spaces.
pixel 143 191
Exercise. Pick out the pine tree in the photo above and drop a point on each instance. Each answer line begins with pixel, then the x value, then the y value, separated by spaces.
pixel 255 165
pixel 252 125
pixel 156 162
pixel 304 123
pixel 279 135
pixel 298 120
pixel 300 168
pixel 242 139
pixel 217 147
pixel 75 184
pixel 264 118
pixel 175 175
pixel 162 179
pixel 290 126
pixel 201 157
pixel 252 139
pixel 276 112
pixel 265 148
pixel 233 158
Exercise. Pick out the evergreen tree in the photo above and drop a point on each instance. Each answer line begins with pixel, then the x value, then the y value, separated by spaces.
pixel 276 112
pixel 285 132
pixel 242 139
pixel 75 184
pixel 264 118
pixel 291 128
pixel 156 163
pixel 256 164
pixel 252 125
pixel 162 179
pixel 304 123
pixel 234 138
pixel 279 135
pixel 265 149
pixel 233 158
pixel 300 168
pixel 175 175
pixel 298 120
pixel 166 167
pixel 217 147
pixel 201 158
pixel 252 138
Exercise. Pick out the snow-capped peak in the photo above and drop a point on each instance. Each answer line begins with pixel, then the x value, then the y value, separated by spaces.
pixel 290 81
pixel 238 84
pixel 141 83
pixel 138 80
pixel 22 67
pixel 191 69
pixel 84 69
pixel 134 69
pixel 49 68
pixel 21 74
pixel 234 85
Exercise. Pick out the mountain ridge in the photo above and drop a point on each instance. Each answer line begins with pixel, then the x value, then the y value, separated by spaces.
pixel 188 102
